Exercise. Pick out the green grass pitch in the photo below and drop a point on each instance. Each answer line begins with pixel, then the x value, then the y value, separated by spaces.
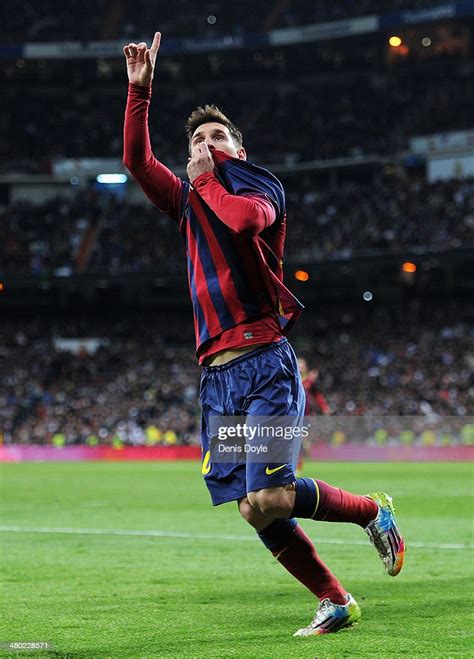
pixel 196 592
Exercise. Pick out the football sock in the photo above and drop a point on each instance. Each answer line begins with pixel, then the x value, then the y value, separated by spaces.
pixel 316 499
pixel 306 498
pixel 295 551
pixel 276 535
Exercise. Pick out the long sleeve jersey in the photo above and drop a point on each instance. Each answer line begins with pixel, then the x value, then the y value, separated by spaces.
pixel 227 285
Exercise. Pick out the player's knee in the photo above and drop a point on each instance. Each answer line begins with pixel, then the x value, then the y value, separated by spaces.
pixel 266 501
pixel 246 510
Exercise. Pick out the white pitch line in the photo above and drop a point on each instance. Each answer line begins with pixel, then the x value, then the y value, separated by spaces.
pixel 202 536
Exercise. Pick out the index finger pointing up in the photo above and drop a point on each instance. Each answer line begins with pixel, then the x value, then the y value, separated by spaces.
pixel 156 43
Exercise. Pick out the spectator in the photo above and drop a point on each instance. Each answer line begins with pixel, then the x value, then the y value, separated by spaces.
pixel 141 387
pixel 388 215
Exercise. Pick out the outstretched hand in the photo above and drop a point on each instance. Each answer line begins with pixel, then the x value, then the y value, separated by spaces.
pixel 201 161
pixel 141 61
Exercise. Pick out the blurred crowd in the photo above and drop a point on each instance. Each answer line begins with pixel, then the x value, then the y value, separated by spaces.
pixel 45 238
pixel 130 377
pixel 410 358
pixel 128 387
pixel 299 12
pixel 297 120
pixel 100 233
pixel 101 20
pixel 391 214
pixel 138 382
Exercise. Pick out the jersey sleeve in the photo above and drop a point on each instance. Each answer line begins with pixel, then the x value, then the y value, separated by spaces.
pixel 247 213
pixel 164 189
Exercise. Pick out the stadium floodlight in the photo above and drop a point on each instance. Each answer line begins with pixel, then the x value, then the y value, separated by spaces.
pixel 111 178
pixel 408 266
pixel 302 275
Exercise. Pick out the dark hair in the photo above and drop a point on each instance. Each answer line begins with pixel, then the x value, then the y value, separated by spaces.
pixel 209 113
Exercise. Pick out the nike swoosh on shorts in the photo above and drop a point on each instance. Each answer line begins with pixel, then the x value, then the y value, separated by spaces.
pixel 269 472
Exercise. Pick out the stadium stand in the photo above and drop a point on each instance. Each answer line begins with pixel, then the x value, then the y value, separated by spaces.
pixel 101 20
pixel 141 381
pixel 390 215
pixel 302 120
pixel 315 112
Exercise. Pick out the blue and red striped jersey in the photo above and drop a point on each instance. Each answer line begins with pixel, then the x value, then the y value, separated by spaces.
pixel 234 277
pixel 234 267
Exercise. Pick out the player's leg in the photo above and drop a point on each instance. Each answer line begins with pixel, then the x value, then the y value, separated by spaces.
pixel 276 392
pixel 292 548
pixel 290 545
pixel 284 538
pixel 279 396
pixel 274 491
pixel 314 499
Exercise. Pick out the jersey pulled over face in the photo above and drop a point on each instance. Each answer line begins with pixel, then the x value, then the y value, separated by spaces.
pixel 219 136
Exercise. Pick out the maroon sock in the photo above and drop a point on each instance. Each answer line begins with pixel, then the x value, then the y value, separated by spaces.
pixel 301 559
pixel 336 505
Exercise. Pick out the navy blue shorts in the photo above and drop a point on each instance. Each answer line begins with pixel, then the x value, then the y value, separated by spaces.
pixel 263 383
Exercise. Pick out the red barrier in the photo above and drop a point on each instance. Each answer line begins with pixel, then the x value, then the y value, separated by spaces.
pixel 352 452
pixel 20 453
pixel 349 452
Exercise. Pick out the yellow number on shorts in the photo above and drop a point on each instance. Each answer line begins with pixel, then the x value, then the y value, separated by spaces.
pixel 206 466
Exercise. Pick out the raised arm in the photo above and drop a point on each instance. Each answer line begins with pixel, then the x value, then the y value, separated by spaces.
pixel 159 184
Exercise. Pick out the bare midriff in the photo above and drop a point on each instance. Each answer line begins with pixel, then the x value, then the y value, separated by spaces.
pixel 224 356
